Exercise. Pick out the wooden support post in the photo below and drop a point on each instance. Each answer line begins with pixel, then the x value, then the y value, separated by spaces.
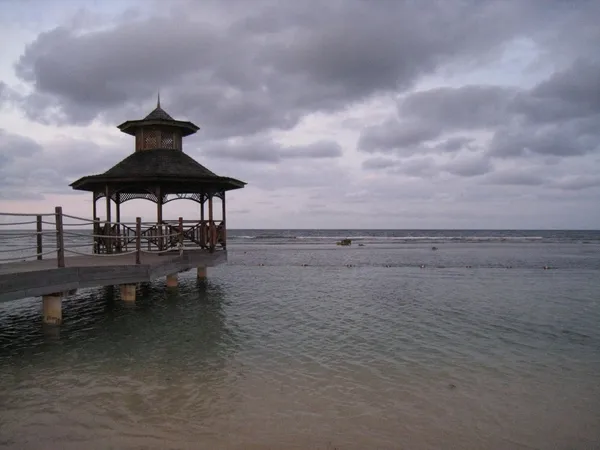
pixel 172 280
pixel 39 236
pixel 60 238
pixel 138 240
pixel 180 235
pixel 201 273
pixel 127 292
pixel 52 307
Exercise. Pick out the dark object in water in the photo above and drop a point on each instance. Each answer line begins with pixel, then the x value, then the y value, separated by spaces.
pixel 344 242
pixel 434 248
pixel 361 245
pixel 451 386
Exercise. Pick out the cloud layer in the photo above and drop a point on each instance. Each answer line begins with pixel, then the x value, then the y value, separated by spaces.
pixel 407 108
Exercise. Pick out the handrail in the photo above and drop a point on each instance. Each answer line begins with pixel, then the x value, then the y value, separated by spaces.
pixel 29 222
pixel 107 238
pixel 25 214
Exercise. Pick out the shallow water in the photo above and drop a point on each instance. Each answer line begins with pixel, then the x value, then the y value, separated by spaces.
pixel 289 347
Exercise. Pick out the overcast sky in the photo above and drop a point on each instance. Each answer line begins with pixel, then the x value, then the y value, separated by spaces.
pixel 338 113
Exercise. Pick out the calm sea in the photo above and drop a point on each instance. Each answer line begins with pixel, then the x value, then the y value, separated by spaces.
pixel 298 343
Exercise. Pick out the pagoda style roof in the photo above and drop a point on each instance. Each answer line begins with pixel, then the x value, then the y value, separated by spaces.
pixel 159 114
pixel 158 117
pixel 158 162
pixel 173 171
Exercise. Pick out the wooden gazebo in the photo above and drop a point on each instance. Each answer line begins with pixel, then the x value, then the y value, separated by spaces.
pixel 158 171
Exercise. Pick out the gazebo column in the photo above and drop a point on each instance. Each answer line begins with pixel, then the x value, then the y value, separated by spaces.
pixel 202 224
pixel 223 223
pixel 96 228
pixel 118 219
pixel 94 208
pixel 108 221
pixel 118 203
pixel 159 216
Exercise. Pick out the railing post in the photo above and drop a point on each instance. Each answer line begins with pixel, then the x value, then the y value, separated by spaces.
pixel 180 232
pixel 60 237
pixel 203 233
pixel 39 237
pixel 109 241
pixel 96 233
pixel 138 240
pixel 223 235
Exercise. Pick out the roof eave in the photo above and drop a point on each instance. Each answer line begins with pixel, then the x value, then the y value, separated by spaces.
pixel 88 183
pixel 131 126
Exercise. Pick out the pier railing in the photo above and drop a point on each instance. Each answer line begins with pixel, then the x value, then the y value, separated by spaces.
pixel 30 236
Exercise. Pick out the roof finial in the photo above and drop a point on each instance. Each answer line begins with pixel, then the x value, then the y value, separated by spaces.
pixel 158 100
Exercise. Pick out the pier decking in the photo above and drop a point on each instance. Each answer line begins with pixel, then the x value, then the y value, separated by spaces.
pixel 39 278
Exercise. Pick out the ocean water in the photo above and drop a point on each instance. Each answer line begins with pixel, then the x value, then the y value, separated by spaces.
pixel 298 343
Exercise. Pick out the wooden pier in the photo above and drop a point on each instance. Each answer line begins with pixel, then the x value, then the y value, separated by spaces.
pixel 52 254
pixel 72 263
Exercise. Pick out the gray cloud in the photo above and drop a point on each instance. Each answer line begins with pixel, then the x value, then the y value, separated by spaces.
pixel 379 163
pixel 392 136
pixel 265 150
pixel 418 167
pixel 28 169
pixel 515 178
pixel 264 64
pixel 578 182
pixel 469 166
pixel 558 117
pixel 464 108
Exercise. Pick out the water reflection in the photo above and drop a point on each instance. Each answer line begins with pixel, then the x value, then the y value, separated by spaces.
pixel 157 362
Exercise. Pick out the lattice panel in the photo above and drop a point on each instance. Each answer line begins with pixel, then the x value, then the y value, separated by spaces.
pixel 195 197
pixel 143 196
pixel 150 140
pixel 167 141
